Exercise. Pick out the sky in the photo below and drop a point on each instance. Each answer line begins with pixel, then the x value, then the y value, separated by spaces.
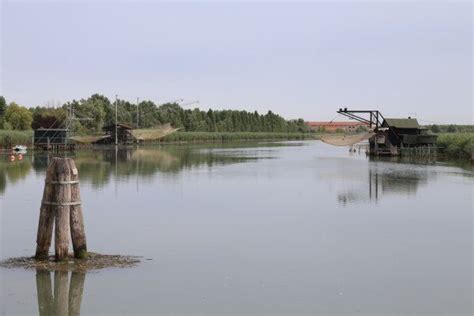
pixel 300 60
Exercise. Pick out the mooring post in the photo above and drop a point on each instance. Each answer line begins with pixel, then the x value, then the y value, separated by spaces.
pixel 78 234
pixel 63 199
pixel 61 205
pixel 46 219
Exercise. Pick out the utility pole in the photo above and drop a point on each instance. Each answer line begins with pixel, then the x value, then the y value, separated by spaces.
pixel 116 136
pixel 137 111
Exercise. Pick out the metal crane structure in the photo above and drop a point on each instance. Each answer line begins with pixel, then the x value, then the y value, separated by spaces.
pixel 374 120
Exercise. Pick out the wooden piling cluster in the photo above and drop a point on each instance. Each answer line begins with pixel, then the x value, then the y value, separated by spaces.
pixel 61 206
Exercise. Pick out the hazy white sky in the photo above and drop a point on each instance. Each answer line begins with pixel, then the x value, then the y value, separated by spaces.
pixel 297 59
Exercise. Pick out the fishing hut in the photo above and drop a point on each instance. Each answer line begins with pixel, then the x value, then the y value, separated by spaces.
pixel 119 134
pixel 394 136
pixel 52 139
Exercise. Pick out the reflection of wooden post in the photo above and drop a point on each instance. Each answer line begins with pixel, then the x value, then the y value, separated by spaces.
pixel 46 220
pixel 63 197
pixel 78 235
pixel 45 292
pixel 76 288
pixel 67 300
pixel 62 204
pixel 61 292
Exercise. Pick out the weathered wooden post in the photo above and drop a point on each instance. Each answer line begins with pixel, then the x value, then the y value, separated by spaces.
pixel 46 219
pixel 61 204
pixel 78 235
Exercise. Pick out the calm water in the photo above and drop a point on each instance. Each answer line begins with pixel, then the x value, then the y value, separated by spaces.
pixel 298 228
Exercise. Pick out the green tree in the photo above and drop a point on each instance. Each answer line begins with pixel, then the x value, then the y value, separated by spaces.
pixel 47 117
pixel 3 108
pixel 435 128
pixel 452 129
pixel 18 117
pixel 211 121
pixel 149 115
pixel 90 113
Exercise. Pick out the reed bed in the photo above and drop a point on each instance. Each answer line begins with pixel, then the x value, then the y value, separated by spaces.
pixel 195 137
pixel 456 145
pixel 9 138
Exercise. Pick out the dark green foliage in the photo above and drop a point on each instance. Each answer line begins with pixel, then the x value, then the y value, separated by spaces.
pixel 92 114
pixel 97 111
pixel 11 138
pixel 452 129
pixel 220 137
pixel 3 108
pixel 48 117
pixel 435 128
pixel 17 117
pixel 456 145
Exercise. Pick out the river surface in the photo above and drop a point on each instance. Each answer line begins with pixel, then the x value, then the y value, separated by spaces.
pixel 293 228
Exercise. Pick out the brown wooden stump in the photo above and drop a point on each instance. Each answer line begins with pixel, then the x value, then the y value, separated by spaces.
pixel 62 204
pixel 46 219
pixel 78 235
pixel 63 197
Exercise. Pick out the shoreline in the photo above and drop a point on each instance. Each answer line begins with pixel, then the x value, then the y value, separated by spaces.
pixel 451 145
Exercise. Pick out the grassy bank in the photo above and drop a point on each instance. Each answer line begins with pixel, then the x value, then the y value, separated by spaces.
pixel 456 145
pixel 198 137
pixel 11 138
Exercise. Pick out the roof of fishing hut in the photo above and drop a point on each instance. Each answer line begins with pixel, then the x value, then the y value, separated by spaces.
pixel 111 127
pixel 401 123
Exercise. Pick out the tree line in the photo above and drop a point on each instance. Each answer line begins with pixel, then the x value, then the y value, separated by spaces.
pixel 92 114
pixel 451 128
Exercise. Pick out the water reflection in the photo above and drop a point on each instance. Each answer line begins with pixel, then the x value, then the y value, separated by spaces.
pixel 382 181
pixel 12 172
pixel 100 166
pixel 67 296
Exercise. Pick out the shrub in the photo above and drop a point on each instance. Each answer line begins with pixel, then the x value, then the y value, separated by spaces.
pixel 456 145
pixel 11 138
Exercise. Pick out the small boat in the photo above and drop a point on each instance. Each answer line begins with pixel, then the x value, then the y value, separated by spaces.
pixel 19 149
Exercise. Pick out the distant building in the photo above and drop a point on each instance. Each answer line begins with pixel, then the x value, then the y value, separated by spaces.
pixel 334 126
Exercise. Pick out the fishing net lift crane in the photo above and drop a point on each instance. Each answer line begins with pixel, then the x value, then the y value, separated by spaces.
pixel 392 136
pixel 373 118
